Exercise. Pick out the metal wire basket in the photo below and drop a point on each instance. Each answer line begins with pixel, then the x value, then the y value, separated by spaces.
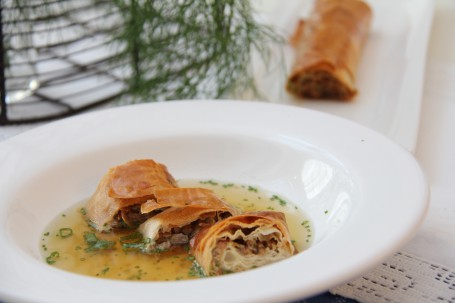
pixel 56 58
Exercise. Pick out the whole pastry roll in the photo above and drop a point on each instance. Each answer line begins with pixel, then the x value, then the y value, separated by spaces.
pixel 243 242
pixel 328 47
pixel 184 211
pixel 117 200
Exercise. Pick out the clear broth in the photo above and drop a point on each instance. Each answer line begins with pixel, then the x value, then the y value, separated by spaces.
pixel 68 252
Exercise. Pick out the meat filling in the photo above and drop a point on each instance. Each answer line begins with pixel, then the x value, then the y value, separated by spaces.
pixel 180 236
pixel 131 217
pixel 247 246
pixel 318 84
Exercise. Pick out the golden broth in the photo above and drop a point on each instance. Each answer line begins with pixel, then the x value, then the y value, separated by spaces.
pixel 63 244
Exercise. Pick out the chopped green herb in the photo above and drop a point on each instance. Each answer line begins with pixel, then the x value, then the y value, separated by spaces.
pixel 136 242
pixel 228 185
pixel 91 224
pixel 133 237
pixel 46 234
pixel 83 211
pixel 105 270
pixel 253 189
pixel 65 232
pixel 196 271
pixel 155 250
pixel 96 244
pixel 52 258
pixel 138 275
pixel 326 212
pixel 139 246
pixel 280 200
pixel 63 215
pixel 210 182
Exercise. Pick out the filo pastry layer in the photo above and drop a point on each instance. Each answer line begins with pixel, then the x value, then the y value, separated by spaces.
pixel 121 191
pixel 184 211
pixel 243 242
pixel 328 46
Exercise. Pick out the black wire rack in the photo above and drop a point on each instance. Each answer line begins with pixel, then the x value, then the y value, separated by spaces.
pixel 57 58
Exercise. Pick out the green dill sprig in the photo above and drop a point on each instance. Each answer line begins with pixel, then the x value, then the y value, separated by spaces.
pixel 190 49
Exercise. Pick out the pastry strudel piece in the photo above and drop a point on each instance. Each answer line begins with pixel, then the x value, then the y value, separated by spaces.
pixel 328 46
pixel 184 212
pixel 117 200
pixel 243 242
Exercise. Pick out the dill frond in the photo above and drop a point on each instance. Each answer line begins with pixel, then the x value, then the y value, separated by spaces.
pixel 189 49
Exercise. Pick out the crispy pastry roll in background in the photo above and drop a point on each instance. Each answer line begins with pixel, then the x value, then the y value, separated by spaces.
pixel 328 47
pixel 117 200
pixel 184 212
pixel 243 242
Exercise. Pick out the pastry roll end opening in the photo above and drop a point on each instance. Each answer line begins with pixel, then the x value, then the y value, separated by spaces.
pixel 243 242
pixel 319 83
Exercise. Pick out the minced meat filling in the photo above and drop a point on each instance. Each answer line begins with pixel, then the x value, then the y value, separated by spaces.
pixel 318 84
pixel 182 235
pixel 247 245
pixel 131 217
